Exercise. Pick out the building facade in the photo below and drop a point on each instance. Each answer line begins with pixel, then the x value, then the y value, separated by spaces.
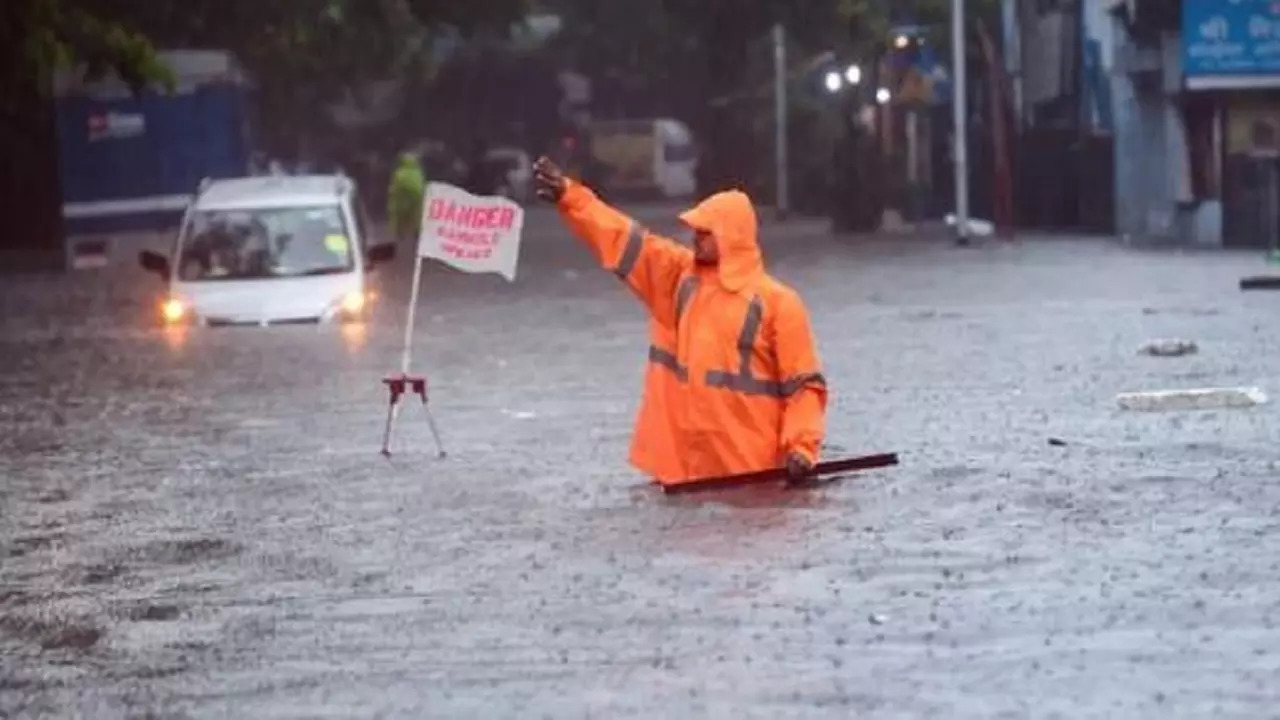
pixel 1196 92
pixel 1059 56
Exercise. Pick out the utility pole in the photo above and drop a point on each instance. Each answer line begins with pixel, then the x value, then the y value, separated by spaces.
pixel 958 97
pixel 780 117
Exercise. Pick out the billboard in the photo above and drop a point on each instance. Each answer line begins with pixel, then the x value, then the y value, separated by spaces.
pixel 1231 43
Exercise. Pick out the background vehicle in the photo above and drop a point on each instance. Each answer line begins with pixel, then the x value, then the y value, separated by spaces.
pixel 270 250
pixel 645 157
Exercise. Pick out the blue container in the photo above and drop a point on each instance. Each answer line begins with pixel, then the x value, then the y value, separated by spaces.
pixel 131 163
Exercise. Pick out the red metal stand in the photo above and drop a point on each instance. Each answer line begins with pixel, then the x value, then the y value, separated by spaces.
pixel 397 388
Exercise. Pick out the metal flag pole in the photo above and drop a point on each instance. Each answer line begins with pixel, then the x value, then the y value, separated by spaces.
pixel 398 386
pixel 780 119
pixel 958 104
pixel 406 353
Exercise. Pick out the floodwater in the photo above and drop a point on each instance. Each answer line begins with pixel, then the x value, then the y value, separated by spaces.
pixel 198 524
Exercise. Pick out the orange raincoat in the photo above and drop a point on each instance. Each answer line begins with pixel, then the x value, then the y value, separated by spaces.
pixel 733 382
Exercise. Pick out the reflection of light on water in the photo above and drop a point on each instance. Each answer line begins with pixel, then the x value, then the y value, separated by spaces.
pixel 175 336
pixel 354 335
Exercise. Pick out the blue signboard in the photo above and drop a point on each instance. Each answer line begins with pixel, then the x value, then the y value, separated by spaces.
pixel 1230 37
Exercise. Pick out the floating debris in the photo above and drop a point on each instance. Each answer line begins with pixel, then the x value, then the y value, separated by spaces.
pixel 1169 348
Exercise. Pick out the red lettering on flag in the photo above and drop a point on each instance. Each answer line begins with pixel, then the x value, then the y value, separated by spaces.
pixel 436 209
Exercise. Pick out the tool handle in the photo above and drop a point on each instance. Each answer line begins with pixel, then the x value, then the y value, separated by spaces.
pixel 829 467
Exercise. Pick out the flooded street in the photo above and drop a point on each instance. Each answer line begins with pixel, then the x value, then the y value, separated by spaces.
pixel 198 524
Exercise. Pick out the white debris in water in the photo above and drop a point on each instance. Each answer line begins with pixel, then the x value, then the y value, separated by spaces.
pixel 974 226
pixel 519 414
pixel 1197 399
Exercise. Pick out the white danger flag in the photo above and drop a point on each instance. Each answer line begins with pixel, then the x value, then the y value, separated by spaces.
pixel 471 233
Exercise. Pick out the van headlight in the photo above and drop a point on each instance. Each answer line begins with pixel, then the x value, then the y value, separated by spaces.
pixel 174 311
pixel 353 303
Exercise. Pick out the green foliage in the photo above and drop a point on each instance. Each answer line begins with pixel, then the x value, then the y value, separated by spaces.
pixel 318 48
pixel 59 34
pixel 300 54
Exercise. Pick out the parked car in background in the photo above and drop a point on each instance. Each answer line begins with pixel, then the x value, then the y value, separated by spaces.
pixel 270 250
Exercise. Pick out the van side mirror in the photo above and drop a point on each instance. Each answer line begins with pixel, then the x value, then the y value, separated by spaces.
pixel 154 262
pixel 379 254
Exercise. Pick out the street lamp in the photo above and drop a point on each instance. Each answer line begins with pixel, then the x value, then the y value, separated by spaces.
pixel 853 74
pixel 832 81
pixel 883 95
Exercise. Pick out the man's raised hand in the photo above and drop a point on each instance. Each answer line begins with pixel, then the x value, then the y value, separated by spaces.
pixel 548 180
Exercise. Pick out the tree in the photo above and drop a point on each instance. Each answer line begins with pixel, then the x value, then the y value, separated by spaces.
pixel 734 38
pixel 626 41
pixel 304 55
pixel 697 51
pixel 45 35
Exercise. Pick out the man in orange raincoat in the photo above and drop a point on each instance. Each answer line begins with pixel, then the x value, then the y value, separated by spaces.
pixel 733 383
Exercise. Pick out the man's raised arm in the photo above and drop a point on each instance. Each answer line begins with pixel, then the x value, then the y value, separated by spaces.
pixel 651 265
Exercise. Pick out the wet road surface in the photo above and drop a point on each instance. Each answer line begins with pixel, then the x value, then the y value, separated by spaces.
pixel 198 524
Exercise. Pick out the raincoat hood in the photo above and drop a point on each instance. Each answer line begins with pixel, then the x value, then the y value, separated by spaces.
pixel 408 161
pixel 730 217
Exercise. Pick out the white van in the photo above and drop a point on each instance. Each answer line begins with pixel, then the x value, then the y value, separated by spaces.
pixel 270 250
pixel 647 156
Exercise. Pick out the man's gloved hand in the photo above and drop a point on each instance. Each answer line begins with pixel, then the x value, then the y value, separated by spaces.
pixel 798 467
pixel 548 180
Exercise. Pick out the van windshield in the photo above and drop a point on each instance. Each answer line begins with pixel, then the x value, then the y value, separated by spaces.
pixel 262 243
